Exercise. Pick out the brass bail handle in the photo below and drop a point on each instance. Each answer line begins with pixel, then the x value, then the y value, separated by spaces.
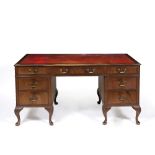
pixel 34 84
pixel 33 98
pixel 90 70
pixel 122 97
pixel 34 70
pixel 121 70
pixel 122 83
pixel 64 70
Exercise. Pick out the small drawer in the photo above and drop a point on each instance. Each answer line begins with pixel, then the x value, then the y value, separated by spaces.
pixel 77 70
pixel 121 98
pixel 123 69
pixel 31 70
pixel 121 82
pixel 33 83
pixel 28 98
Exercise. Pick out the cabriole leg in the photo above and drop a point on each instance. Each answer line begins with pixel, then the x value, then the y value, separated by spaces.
pixel 99 96
pixel 105 110
pixel 17 111
pixel 56 94
pixel 138 110
pixel 50 111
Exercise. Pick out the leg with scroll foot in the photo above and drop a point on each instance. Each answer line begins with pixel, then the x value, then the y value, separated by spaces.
pixel 99 96
pixel 105 110
pixel 56 94
pixel 17 111
pixel 50 111
pixel 138 110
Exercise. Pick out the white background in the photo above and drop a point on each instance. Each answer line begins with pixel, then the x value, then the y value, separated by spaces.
pixel 77 26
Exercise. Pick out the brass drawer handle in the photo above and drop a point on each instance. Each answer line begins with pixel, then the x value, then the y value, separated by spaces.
pixel 34 70
pixel 33 98
pixel 34 84
pixel 30 70
pixel 121 70
pixel 122 98
pixel 122 83
pixel 90 70
pixel 64 70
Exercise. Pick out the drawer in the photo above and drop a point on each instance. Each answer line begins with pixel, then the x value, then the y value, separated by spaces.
pixel 76 70
pixel 121 82
pixel 121 98
pixel 31 70
pixel 33 83
pixel 28 98
pixel 123 69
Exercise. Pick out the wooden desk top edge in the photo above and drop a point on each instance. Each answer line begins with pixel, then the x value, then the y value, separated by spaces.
pixel 126 56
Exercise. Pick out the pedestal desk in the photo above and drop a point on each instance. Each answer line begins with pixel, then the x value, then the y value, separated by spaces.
pixel 118 79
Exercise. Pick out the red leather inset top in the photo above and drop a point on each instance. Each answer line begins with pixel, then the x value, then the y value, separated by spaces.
pixel 52 59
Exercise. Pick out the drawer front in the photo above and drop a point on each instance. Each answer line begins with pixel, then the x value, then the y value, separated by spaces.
pixel 121 82
pixel 33 83
pixel 121 98
pixel 28 98
pixel 123 69
pixel 31 70
pixel 76 70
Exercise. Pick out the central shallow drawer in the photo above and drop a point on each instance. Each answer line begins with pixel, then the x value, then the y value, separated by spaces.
pixel 78 70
